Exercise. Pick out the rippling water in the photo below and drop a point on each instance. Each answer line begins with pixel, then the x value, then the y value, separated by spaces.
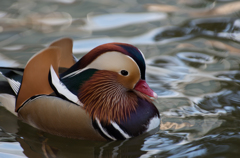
pixel 193 56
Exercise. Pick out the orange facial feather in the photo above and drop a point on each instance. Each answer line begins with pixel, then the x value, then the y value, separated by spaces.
pixel 105 98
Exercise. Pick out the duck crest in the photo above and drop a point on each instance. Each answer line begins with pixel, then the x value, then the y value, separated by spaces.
pixel 123 48
pixel 104 98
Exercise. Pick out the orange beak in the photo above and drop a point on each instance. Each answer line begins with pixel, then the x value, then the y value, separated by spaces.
pixel 144 88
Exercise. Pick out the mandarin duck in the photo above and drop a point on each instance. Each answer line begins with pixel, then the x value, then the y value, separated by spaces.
pixel 103 96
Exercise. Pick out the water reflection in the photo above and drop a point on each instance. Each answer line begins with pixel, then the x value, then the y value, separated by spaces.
pixel 222 27
pixel 35 143
pixel 198 8
pixel 111 21
pixel 195 57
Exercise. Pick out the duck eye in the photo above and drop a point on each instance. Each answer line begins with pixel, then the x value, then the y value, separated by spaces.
pixel 124 72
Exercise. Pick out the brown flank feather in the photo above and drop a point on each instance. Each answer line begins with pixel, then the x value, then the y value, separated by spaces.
pixel 65 44
pixel 35 76
pixel 106 99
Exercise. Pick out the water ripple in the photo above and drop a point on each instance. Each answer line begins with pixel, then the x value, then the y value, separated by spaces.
pixel 222 27
pixel 111 21
pixel 195 57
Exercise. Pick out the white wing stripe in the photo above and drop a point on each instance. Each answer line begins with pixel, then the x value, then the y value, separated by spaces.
pixel 115 125
pixel 62 89
pixel 104 132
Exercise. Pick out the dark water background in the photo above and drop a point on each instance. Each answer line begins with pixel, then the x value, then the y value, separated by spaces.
pixel 193 55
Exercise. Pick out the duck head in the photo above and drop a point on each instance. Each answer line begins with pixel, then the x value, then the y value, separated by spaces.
pixel 125 60
pixel 116 81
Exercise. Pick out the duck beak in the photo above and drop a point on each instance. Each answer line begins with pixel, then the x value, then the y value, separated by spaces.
pixel 144 88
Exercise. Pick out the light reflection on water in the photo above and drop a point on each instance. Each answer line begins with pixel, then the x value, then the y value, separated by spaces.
pixel 192 51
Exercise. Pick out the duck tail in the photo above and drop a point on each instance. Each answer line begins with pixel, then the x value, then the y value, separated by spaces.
pixel 9 88
pixel 14 79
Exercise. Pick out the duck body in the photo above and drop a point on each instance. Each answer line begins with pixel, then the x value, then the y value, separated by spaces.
pixel 103 96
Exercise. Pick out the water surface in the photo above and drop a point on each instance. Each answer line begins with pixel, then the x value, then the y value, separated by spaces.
pixel 193 63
